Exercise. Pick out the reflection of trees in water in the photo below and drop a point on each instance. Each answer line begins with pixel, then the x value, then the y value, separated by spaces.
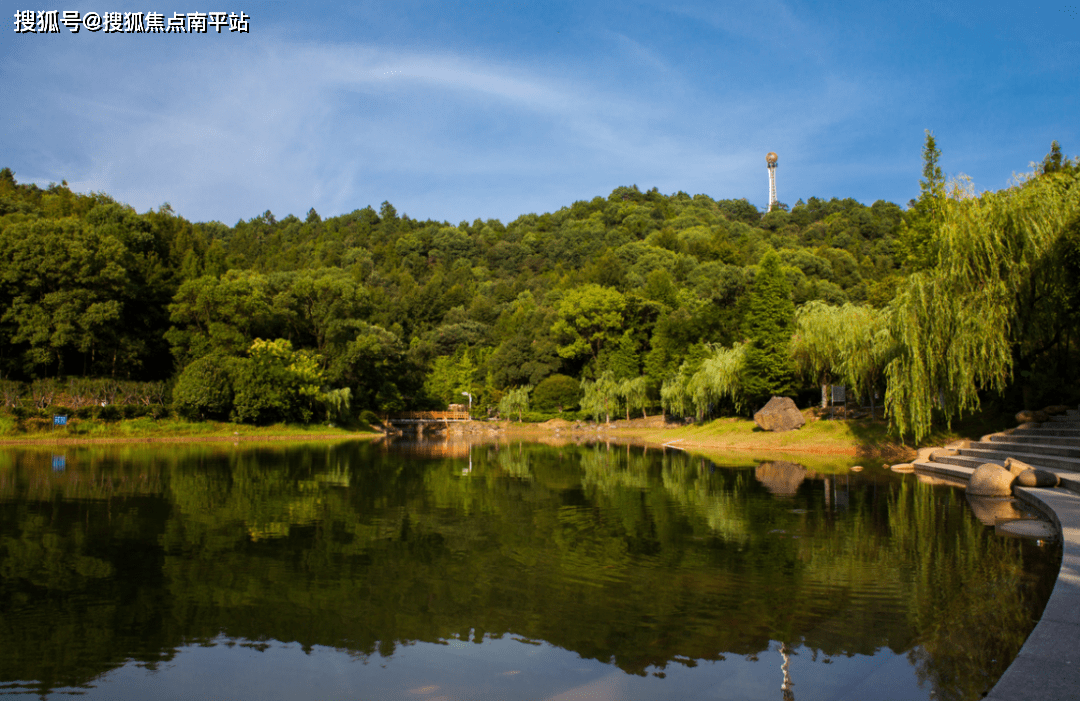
pixel 607 469
pixel 514 461
pixel 604 551
pixel 972 616
pixel 713 498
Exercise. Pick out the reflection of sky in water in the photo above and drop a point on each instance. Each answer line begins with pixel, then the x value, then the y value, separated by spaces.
pixel 496 669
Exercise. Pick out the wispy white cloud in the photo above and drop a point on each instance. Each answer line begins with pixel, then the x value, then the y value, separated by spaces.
pixel 434 108
pixel 239 128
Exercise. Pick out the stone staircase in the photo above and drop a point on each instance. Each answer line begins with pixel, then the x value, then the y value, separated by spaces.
pixel 1048 665
pixel 1052 445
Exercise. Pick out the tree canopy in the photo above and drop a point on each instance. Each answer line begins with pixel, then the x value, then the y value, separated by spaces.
pixel 655 290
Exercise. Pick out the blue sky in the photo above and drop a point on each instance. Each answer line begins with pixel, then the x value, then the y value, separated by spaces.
pixel 463 110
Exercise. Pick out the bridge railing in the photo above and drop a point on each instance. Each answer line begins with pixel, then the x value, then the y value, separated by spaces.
pixel 429 416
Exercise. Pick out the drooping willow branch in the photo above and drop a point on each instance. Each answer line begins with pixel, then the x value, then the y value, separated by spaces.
pixel 955 323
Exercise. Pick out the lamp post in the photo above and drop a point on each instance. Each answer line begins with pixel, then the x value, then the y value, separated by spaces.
pixel 468 470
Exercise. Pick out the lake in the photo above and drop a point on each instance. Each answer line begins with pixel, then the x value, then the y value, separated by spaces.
pixel 432 571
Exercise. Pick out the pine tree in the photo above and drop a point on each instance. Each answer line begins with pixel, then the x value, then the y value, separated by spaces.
pixel 916 240
pixel 767 367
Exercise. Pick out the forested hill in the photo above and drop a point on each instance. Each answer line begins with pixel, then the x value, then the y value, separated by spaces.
pixel 408 313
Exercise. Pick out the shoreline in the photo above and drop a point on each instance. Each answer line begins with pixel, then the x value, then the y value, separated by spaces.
pixel 216 438
pixel 818 438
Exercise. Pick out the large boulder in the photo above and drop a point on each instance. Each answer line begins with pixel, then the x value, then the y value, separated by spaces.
pixel 990 480
pixel 933 452
pixel 1016 467
pixel 1037 478
pixel 1029 416
pixel 780 414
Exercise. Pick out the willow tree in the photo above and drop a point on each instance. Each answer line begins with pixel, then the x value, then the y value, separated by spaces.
pixel 515 400
pixel 961 325
pixel 718 377
pixel 600 398
pixel 634 394
pixel 852 343
pixel 866 348
pixel 815 345
pixel 675 395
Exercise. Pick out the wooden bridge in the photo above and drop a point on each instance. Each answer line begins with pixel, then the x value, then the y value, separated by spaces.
pixel 426 417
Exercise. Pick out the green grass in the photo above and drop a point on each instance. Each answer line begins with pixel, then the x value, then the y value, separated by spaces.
pixel 867 437
pixel 148 428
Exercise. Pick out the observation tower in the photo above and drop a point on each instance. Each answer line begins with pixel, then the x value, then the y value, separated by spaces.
pixel 770 161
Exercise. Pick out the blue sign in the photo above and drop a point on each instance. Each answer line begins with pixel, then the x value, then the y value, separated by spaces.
pixel 60 420
pixel 59 462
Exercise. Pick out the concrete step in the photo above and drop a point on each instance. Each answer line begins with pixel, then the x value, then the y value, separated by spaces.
pixel 957 467
pixel 1070 441
pixel 1064 419
pixel 1046 430
pixel 965 461
pixel 1027 455
pixel 1043 445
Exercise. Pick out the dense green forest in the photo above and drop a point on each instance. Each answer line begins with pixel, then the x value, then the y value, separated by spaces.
pixel 634 302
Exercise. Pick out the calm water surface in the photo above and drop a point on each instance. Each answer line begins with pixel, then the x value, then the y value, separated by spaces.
pixel 496 571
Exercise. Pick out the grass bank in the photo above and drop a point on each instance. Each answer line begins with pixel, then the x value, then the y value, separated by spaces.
pixel 862 439
pixel 146 429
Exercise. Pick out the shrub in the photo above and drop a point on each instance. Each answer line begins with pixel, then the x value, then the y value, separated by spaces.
pixel 56 410
pixel 557 393
pixel 109 412
pixel 275 384
pixel 134 411
pixel 204 390
pixel 22 413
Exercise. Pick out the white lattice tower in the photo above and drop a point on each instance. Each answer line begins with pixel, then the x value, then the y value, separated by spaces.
pixel 770 161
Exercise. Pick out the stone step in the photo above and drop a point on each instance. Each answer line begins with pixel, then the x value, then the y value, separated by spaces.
pixel 1014 439
pixel 1065 419
pixel 1027 455
pixel 1043 445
